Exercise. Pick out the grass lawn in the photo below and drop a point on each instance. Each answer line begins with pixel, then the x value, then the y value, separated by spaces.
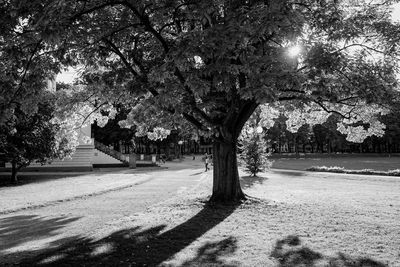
pixel 293 219
pixel 41 189
pixel 349 162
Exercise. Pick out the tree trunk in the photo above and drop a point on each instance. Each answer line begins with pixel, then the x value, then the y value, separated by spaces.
pixel 226 185
pixel 14 170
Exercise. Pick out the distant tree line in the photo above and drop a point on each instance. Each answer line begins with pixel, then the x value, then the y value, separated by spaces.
pixel 325 138
pixel 322 138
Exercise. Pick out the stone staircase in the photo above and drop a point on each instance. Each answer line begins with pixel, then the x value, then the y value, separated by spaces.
pixel 105 156
pixel 80 160
pixel 89 156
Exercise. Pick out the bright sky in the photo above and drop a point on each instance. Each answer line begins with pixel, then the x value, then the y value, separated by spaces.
pixel 396 12
pixel 69 75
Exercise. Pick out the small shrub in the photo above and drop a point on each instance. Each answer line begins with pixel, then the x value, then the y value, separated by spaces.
pixel 254 157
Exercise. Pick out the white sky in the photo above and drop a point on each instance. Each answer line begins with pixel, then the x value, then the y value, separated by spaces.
pixel 69 75
pixel 396 12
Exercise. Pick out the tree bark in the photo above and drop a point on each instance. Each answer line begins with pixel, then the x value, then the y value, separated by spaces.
pixel 226 185
pixel 14 170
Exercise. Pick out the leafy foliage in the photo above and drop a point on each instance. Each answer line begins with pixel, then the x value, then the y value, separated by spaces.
pixel 77 107
pixel 25 139
pixel 252 143
pixel 198 60
pixel 325 137
pixel 253 152
pixel 26 61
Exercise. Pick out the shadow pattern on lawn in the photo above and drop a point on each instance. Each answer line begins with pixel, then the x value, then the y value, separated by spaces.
pixel 16 230
pixel 211 253
pixel 288 172
pixel 289 253
pixel 138 247
pixel 197 173
pixel 250 181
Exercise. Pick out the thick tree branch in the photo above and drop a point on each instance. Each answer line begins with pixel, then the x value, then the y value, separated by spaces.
pixel 129 66
pixel 331 111
pixel 116 50
pixel 147 24
pixel 244 113
pixel 111 33
pixel 194 121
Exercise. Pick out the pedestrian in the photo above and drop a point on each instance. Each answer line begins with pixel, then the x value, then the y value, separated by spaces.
pixel 206 161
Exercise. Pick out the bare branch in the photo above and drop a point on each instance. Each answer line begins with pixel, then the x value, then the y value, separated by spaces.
pixel 331 111
pixel 361 45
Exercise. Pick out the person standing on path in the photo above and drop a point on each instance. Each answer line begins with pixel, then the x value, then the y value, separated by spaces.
pixel 206 161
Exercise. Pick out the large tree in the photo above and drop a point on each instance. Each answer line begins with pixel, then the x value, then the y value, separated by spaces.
pixel 212 63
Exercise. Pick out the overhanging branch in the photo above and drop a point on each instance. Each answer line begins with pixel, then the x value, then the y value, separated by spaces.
pixel 118 52
pixel 330 110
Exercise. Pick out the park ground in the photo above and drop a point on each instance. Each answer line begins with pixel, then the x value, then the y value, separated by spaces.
pixel 160 217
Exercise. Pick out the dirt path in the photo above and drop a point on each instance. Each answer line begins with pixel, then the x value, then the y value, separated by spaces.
pixel 51 223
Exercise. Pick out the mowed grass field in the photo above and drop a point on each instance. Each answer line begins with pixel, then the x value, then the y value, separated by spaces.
pixel 291 219
pixel 378 163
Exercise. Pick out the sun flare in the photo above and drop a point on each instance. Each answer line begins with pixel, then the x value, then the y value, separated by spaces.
pixel 294 51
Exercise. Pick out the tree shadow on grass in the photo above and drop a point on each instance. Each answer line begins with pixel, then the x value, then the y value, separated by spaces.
pixel 16 230
pixel 288 172
pixel 250 181
pixel 197 173
pixel 289 253
pixel 211 253
pixel 140 247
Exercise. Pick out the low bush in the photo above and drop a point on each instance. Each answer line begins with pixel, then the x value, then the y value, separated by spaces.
pixel 343 170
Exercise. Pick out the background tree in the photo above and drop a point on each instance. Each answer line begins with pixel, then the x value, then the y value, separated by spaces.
pixel 212 63
pixel 253 152
pixel 325 138
pixel 25 139
pixel 252 143
pixel 29 60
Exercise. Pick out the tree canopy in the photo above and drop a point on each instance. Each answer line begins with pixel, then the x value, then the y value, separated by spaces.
pixel 210 64
pixel 25 61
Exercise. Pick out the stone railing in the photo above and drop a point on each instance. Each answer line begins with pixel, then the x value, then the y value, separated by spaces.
pixel 111 152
